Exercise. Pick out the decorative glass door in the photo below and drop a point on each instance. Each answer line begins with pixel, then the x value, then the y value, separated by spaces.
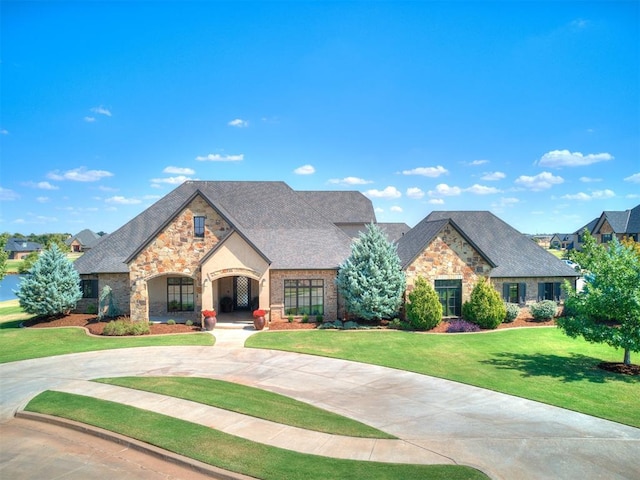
pixel 241 293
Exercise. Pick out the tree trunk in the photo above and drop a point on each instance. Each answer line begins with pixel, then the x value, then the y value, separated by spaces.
pixel 627 356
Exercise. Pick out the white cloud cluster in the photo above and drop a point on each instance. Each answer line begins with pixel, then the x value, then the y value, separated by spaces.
pixel 120 200
pixel 179 170
pixel 542 181
pixel 7 194
pixel 565 158
pixel 41 185
pixel 493 176
pixel 100 110
pixel 595 195
pixel 432 172
pixel 305 170
pixel 80 174
pixel 156 182
pixel 635 178
pixel 216 157
pixel 444 190
pixel 238 123
pixel 415 192
pixel 389 192
pixel 349 181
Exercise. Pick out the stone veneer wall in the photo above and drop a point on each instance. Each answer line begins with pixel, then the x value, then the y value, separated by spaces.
pixel 277 279
pixel 532 285
pixel 119 283
pixel 175 250
pixel 449 256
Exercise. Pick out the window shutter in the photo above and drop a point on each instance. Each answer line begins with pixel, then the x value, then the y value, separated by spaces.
pixel 557 291
pixel 522 292
pixel 505 292
pixel 540 291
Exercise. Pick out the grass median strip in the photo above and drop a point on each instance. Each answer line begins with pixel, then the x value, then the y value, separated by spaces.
pixel 250 401
pixel 227 451
pixel 539 364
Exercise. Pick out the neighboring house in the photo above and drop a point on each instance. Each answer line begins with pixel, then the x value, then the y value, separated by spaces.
pixel 619 223
pixel 453 250
pixel 19 248
pixel 247 244
pixel 562 241
pixel 82 241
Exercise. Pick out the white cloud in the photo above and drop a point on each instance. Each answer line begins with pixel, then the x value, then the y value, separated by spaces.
pixel 595 195
pixel 396 209
pixel 565 158
pixel 379 210
pixel 238 123
pixel 89 119
pixel 542 181
pixel 478 162
pixel 414 192
pixel 442 189
pixel 101 111
pixel 80 175
pixel 481 190
pixel 41 185
pixel 635 178
pixel 170 180
pixel 179 170
pixel 436 201
pixel 632 195
pixel 305 170
pixel 431 172
pixel 104 188
pixel 42 199
pixel 389 192
pixel 216 157
pixel 505 202
pixel 6 194
pixel 120 200
pixel 491 176
pixel 589 179
pixel 349 181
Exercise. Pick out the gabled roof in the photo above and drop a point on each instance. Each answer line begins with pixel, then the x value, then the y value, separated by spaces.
pixel 513 253
pixel 341 207
pixel 86 238
pixel 621 222
pixel 15 244
pixel 284 228
pixel 589 227
pixel 419 237
pixel 394 231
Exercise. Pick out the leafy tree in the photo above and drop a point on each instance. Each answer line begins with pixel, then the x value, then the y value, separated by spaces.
pixel 607 310
pixel 424 310
pixel 4 255
pixel 52 286
pixel 28 262
pixel 371 280
pixel 485 308
pixel 631 243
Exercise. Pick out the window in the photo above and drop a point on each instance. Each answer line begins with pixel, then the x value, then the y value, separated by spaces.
pixel 549 291
pixel 180 294
pixel 514 292
pixel 198 227
pixel 450 294
pixel 89 288
pixel 304 297
pixel 605 238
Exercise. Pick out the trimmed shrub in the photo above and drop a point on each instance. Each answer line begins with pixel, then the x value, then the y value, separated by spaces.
pixel 485 308
pixel 544 310
pixel 171 321
pixel 462 326
pixel 119 328
pixel 424 310
pixel 305 318
pixel 513 310
pixel 189 323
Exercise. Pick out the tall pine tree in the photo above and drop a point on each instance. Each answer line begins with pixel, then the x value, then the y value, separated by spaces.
pixel 51 287
pixel 371 280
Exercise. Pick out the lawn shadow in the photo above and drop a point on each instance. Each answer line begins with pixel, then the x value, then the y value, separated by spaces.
pixel 568 368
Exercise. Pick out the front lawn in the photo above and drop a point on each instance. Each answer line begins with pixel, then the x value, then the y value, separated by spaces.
pixel 227 451
pixel 540 364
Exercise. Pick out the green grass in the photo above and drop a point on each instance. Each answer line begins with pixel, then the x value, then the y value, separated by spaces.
pixel 539 364
pixel 250 401
pixel 227 451
pixel 11 310
pixel 13 265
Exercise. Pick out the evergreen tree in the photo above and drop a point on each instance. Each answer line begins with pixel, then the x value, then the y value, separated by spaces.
pixel 51 287
pixel 371 280
pixel 485 308
pixel 424 310
pixel 4 255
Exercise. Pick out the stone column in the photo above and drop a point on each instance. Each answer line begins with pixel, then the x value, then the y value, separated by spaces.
pixel 139 301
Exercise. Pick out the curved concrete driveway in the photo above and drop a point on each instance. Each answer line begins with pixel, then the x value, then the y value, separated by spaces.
pixel 504 436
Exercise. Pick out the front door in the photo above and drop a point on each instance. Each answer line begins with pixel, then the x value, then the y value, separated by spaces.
pixel 241 293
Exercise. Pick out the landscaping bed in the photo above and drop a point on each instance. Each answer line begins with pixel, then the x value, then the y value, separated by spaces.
pixel 95 327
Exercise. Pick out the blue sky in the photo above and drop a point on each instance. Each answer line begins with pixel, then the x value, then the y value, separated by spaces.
pixel 528 109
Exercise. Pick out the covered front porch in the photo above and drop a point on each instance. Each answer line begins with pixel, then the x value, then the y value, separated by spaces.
pixel 237 319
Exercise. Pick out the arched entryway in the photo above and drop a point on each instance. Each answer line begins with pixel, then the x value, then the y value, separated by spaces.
pixel 237 293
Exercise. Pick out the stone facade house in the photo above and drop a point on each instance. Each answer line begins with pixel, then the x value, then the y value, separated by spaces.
pixel 453 250
pixel 244 245
pixel 19 248
pixel 611 223
pixel 82 241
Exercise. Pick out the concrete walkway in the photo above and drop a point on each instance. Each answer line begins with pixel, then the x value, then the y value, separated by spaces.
pixel 437 421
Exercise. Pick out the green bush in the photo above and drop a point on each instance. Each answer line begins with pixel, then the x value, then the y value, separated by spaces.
pixel 424 310
pixel 188 323
pixel 119 328
pixel 544 310
pixel 305 318
pixel 318 318
pixel 485 307
pixel 290 318
pixel 92 309
pixel 513 310
pixel 171 321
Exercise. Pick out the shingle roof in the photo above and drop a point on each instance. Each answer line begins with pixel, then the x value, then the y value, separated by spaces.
pixel 288 231
pixel 513 253
pixel 21 245
pixel 341 206
pixel 589 227
pixel 633 225
pixel 394 231
pixel 621 222
pixel 86 238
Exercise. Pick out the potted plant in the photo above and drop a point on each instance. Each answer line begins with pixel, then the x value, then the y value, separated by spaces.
pixel 210 319
pixel 258 319
pixel 226 304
